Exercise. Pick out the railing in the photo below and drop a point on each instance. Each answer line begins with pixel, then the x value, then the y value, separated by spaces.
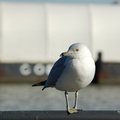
pixel 59 115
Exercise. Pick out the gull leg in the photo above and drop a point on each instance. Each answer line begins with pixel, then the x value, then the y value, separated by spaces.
pixel 76 100
pixel 67 102
pixel 69 111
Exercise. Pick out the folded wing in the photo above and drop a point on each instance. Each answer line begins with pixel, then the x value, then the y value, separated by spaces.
pixel 55 72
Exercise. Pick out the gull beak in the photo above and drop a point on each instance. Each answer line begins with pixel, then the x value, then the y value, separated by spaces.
pixel 65 54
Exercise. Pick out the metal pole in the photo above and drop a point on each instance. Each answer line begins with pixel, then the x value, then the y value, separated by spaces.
pixel 59 115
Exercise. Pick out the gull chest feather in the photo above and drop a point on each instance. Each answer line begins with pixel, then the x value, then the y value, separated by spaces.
pixel 74 78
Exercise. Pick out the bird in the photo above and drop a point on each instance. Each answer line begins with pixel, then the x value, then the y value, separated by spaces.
pixel 73 71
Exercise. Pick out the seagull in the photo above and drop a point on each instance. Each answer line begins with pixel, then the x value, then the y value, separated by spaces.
pixel 73 71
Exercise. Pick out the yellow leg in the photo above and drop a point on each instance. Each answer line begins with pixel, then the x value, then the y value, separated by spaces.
pixel 76 100
pixel 69 111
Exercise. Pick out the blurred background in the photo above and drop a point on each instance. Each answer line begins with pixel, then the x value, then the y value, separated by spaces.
pixel 33 33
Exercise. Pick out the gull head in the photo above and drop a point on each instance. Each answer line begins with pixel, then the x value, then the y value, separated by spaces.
pixel 77 50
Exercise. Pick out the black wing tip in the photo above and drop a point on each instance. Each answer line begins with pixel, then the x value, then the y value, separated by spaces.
pixel 34 85
pixel 44 87
pixel 39 84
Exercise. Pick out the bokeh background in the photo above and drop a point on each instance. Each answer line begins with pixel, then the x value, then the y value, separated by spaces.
pixel 33 33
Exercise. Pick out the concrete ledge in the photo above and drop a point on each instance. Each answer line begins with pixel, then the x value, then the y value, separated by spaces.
pixel 59 115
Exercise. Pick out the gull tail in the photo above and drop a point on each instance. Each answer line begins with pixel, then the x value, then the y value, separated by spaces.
pixel 39 84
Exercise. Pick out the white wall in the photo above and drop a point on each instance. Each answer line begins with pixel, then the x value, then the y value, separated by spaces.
pixel 66 24
pixel 23 32
pixel 32 32
pixel 106 31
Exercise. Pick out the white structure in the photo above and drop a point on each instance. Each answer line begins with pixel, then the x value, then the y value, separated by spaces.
pixel 36 32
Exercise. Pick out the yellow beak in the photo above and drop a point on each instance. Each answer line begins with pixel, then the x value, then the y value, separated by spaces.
pixel 65 54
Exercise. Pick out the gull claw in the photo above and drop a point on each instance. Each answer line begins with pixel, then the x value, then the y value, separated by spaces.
pixel 74 110
pixel 71 111
pixel 78 109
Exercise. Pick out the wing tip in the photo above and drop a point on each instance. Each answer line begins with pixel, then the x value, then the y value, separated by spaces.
pixel 34 85
pixel 39 84
pixel 43 88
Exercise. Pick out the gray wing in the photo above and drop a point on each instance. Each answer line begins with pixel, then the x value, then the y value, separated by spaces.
pixel 55 72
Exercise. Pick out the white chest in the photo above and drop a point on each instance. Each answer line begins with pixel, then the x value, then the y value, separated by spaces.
pixel 77 74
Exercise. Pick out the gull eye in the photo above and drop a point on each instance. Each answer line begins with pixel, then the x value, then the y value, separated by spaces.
pixel 77 50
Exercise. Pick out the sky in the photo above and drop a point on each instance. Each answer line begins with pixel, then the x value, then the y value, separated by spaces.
pixel 67 1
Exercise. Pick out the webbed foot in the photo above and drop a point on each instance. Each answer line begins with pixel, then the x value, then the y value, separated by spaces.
pixel 71 111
